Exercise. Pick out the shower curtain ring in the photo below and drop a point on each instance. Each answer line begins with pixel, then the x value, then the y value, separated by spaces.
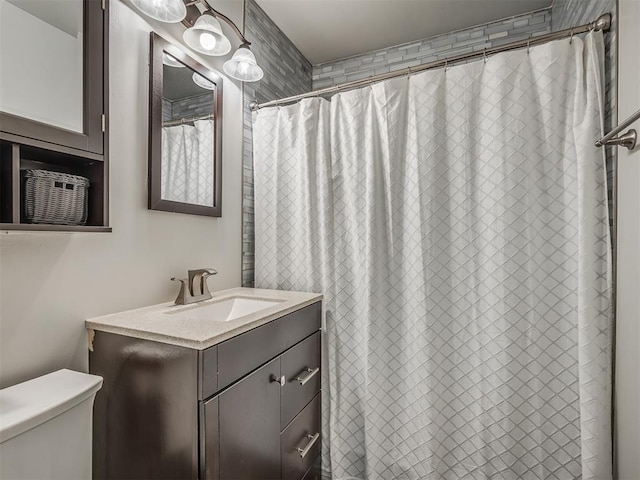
pixel 571 39
pixel 528 46
pixel 484 54
pixel 408 73
pixel 446 65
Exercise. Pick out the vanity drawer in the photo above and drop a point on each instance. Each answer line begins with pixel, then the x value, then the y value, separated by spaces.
pixel 246 352
pixel 300 442
pixel 301 368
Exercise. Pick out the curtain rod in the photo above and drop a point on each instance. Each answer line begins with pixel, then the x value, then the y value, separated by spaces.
pixel 602 23
pixel 627 140
pixel 182 121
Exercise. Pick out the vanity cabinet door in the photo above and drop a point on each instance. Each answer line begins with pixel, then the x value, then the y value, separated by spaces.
pixel 249 427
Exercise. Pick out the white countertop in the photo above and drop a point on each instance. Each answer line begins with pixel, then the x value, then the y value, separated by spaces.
pixel 158 323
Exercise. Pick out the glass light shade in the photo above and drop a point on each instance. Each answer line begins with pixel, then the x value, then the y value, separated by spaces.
pixel 243 66
pixel 206 36
pixel 203 82
pixel 169 61
pixel 168 11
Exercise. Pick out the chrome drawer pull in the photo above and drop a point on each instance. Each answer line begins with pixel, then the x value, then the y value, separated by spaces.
pixel 312 440
pixel 279 380
pixel 310 374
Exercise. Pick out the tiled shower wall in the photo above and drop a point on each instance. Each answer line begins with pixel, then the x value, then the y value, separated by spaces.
pixel 431 49
pixel 286 72
pixel 569 13
pixel 196 106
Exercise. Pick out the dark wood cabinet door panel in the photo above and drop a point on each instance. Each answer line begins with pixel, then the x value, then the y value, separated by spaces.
pixel 210 440
pixel 244 353
pixel 300 442
pixel 95 81
pixel 301 368
pixel 145 417
pixel 209 372
pixel 249 427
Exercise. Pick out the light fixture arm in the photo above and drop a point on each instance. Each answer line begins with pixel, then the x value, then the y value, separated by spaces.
pixel 231 24
pixel 208 9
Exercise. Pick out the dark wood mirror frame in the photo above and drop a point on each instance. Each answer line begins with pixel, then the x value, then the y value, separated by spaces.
pixel 158 46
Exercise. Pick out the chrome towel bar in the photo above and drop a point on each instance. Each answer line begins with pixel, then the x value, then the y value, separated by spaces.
pixel 627 139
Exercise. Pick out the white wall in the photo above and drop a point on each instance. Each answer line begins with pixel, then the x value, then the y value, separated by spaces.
pixel 628 281
pixel 47 86
pixel 49 283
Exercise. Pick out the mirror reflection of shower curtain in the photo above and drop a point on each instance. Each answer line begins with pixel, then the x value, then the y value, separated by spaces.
pixel 187 163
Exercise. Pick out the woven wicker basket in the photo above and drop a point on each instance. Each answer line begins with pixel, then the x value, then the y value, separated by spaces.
pixel 55 198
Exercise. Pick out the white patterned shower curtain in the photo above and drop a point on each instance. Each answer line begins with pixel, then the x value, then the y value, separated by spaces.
pixel 456 222
pixel 187 163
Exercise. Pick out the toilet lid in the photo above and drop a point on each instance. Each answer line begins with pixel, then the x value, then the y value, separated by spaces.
pixel 31 403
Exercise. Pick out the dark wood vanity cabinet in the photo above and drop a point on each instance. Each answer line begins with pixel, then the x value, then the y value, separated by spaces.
pixel 247 408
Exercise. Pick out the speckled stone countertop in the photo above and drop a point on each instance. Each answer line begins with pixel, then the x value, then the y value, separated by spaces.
pixel 158 322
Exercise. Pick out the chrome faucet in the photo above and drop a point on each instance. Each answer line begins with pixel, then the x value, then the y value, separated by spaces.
pixel 194 288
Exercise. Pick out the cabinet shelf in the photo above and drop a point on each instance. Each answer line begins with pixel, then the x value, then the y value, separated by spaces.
pixel 37 227
pixel 16 158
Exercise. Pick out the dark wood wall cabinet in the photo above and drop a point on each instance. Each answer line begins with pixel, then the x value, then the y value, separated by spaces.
pixel 247 408
pixel 29 144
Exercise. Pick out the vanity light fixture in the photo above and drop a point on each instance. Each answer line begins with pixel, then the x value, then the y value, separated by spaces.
pixel 202 82
pixel 169 61
pixel 204 33
pixel 243 66
pixel 205 36
pixel 168 11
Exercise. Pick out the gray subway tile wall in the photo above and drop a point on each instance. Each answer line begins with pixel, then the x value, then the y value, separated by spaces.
pixel 195 106
pixel 288 73
pixel 431 49
pixel 570 13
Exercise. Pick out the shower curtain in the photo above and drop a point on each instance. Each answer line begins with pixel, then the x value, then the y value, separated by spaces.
pixel 187 163
pixel 456 222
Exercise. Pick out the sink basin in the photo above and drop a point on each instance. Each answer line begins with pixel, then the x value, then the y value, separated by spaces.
pixel 224 310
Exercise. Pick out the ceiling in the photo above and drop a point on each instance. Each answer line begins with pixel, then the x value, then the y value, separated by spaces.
pixel 177 84
pixel 326 30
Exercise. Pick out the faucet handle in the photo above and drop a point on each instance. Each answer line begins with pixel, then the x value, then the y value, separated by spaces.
pixel 198 281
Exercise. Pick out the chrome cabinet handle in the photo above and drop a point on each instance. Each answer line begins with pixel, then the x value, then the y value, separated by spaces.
pixel 312 440
pixel 279 380
pixel 310 373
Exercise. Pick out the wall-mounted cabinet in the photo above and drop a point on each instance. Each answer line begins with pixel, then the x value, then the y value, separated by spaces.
pixel 54 110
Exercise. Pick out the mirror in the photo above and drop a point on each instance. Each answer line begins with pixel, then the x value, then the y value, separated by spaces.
pixel 185 133
pixel 42 48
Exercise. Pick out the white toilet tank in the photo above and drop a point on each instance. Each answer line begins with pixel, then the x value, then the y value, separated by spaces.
pixel 45 427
